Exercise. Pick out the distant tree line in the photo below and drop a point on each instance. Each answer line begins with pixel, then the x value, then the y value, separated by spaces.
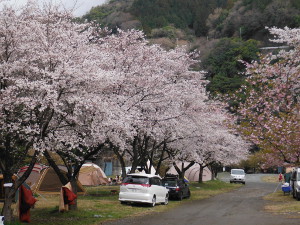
pixel 230 15
pixel 213 18
pixel 181 13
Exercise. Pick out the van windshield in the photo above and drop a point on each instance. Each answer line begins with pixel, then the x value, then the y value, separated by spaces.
pixel 136 180
pixel 238 172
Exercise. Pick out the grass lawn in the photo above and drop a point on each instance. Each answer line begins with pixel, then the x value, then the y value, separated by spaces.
pixel 100 205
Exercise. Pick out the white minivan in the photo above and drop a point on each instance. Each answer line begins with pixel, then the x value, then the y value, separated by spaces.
pixel 295 183
pixel 238 175
pixel 143 188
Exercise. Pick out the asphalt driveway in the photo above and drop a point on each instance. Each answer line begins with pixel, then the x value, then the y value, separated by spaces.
pixel 243 206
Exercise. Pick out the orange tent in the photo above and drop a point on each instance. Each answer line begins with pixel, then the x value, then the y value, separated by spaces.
pixel 45 179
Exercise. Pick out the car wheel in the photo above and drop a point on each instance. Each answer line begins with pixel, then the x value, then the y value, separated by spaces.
pixel 153 201
pixel 166 200
pixel 180 196
pixel 123 203
pixel 297 196
pixel 244 182
pixel 231 182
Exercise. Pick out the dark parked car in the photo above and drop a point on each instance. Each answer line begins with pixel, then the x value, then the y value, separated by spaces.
pixel 178 188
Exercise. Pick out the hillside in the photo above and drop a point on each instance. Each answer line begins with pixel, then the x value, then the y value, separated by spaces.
pixel 199 18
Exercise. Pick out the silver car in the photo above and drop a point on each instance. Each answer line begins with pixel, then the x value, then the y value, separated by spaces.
pixel 238 175
pixel 143 188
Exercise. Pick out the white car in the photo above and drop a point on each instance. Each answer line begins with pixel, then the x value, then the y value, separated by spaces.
pixel 238 175
pixel 143 188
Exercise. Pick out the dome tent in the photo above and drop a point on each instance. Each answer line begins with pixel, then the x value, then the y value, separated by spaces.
pixel 91 174
pixel 192 174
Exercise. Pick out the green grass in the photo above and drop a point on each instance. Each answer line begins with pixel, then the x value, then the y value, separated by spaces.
pixel 211 188
pixel 100 205
pixel 285 205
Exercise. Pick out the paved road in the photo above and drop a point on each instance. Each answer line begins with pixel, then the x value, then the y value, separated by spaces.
pixel 243 206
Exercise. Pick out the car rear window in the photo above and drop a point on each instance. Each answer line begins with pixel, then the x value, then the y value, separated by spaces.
pixel 169 183
pixel 136 180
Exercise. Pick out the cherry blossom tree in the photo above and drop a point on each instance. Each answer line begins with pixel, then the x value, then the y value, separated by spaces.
pixel 210 143
pixel 270 115
pixel 67 88
pixel 158 87
pixel 165 98
pixel 50 73
pixel 72 89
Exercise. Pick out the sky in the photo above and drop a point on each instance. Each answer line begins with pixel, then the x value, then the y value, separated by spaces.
pixel 80 7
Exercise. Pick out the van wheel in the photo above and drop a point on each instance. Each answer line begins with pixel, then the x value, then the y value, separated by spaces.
pixel 153 201
pixel 294 194
pixel 166 200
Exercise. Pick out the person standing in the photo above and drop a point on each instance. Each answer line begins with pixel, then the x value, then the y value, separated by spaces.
pixel 280 177
pixel 287 177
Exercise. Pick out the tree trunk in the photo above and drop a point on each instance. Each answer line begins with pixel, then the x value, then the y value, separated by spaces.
pixel 58 172
pixel 122 162
pixel 73 182
pixel 161 158
pixel 201 174
pixel 214 171
pixel 9 191
pixel 8 200
pixel 181 171
pixel 178 170
pixel 135 157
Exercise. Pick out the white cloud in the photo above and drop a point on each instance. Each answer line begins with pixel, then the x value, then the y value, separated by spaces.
pixel 79 7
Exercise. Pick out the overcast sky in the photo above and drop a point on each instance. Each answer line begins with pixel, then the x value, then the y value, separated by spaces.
pixel 80 7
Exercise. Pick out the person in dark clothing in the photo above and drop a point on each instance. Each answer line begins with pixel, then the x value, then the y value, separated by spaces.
pixel 287 177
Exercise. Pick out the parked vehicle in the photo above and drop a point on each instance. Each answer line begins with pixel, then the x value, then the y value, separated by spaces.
pixel 143 188
pixel 295 183
pixel 178 188
pixel 238 176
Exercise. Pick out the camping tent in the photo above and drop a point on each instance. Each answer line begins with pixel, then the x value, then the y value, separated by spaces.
pixel 139 169
pixel 91 174
pixel 44 179
pixel 192 174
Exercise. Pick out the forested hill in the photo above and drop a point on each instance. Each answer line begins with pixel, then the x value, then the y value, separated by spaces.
pixel 209 18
